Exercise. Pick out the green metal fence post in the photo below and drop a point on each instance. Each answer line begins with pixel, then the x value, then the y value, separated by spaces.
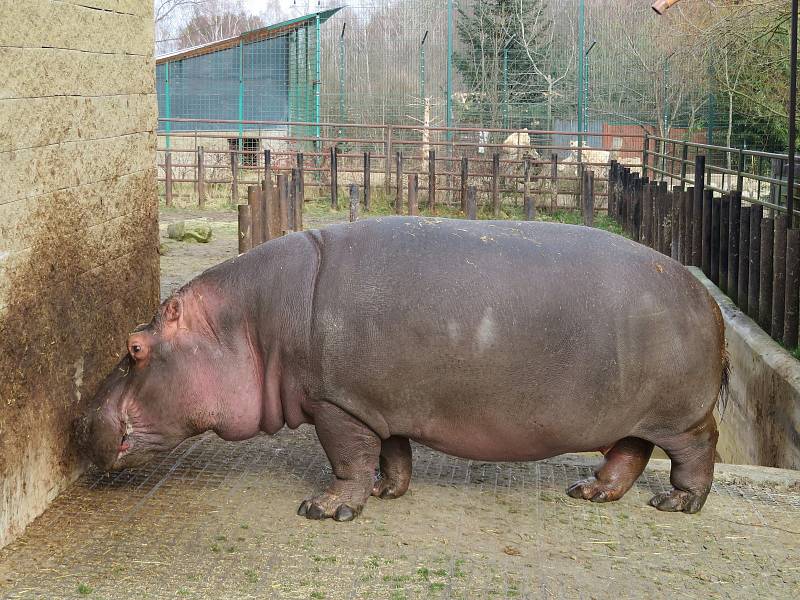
pixel 422 75
pixel 505 86
pixel 167 102
pixel 581 58
pixel 341 78
pixel 449 116
pixel 241 92
pixel 318 82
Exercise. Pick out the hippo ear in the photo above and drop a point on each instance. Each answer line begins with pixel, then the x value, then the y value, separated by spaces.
pixel 172 310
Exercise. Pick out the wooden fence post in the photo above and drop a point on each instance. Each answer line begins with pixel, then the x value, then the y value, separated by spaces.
pixel 756 212
pixel 697 227
pixel 201 176
pixel 267 165
pixel 778 278
pixel 464 178
pixel 675 223
pixel 715 233
pixel 553 182
pixel 301 174
pixel 413 186
pixel 334 178
pixel 367 182
pixel 496 184
pixel 387 176
pixel 792 281
pixel 283 202
pixel 353 203
pixel 708 201
pixel 234 177
pixel 765 274
pixel 528 199
pixel 688 221
pixel 168 178
pixel 244 228
pixel 297 200
pixel 588 198
pixel 398 199
pixel 254 201
pixel 724 231
pixel 432 181
pixel 734 212
pixel 268 228
pixel 472 203
pixel 743 291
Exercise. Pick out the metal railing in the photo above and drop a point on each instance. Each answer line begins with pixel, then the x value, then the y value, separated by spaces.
pixel 759 176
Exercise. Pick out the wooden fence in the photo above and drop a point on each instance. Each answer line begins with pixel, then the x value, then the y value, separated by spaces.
pixel 744 247
pixel 445 161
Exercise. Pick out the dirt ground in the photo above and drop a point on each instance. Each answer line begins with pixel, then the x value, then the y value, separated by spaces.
pixel 217 520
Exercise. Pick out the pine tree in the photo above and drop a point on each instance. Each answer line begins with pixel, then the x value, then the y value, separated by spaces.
pixel 499 41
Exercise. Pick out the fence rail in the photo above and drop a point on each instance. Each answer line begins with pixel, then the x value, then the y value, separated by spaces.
pixel 446 161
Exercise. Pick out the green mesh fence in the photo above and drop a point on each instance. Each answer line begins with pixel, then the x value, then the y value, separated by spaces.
pixel 568 65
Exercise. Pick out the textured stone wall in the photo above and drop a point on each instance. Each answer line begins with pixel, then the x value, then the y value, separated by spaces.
pixel 78 225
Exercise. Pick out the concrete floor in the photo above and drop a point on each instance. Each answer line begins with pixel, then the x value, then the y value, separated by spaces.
pixel 217 520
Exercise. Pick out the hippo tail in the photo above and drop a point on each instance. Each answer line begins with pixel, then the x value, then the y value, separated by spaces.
pixel 724 390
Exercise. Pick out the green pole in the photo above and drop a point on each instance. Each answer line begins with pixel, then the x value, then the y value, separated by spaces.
pixel 241 91
pixel 581 68
pixel 710 116
pixel 449 116
pixel 317 80
pixel 422 74
pixel 505 87
pixel 167 102
pixel 341 78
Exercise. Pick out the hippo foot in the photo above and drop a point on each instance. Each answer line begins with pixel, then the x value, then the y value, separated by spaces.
pixel 326 506
pixel 678 501
pixel 595 491
pixel 387 488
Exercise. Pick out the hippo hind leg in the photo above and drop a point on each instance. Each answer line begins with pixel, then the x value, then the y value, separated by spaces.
pixel 352 449
pixel 395 468
pixel 692 472
pixel 621 468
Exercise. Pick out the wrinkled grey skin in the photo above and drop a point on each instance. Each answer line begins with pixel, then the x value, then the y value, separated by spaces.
pixel 496 341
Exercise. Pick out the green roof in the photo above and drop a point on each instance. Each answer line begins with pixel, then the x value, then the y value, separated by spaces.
pixel 249 36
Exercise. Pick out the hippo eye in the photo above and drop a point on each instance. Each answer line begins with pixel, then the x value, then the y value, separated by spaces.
pixel 136 348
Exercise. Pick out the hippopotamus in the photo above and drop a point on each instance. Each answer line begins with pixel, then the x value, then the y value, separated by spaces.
pixel 487 340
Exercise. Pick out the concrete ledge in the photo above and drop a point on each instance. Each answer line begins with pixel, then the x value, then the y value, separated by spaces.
pixel 761 423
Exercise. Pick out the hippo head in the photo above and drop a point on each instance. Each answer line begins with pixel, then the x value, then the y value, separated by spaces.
pixel 157 395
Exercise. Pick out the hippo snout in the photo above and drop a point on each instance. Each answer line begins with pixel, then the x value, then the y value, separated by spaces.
pixel 97 439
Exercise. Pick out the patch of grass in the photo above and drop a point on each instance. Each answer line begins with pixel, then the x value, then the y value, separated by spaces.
pixel 373 562
pixel 220 538
pixel 215 547
pixel 84 590
pixel 244 526
pixel 183 592
pixel 231 549
pixel 317 595
pixel 323 559
pixel 423 573
pixel 397 578
pixel 251 575
pixel 398 595
pixel 436 587
pixel 440 573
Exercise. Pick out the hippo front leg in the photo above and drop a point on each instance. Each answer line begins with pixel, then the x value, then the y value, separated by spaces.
pixel 353 450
